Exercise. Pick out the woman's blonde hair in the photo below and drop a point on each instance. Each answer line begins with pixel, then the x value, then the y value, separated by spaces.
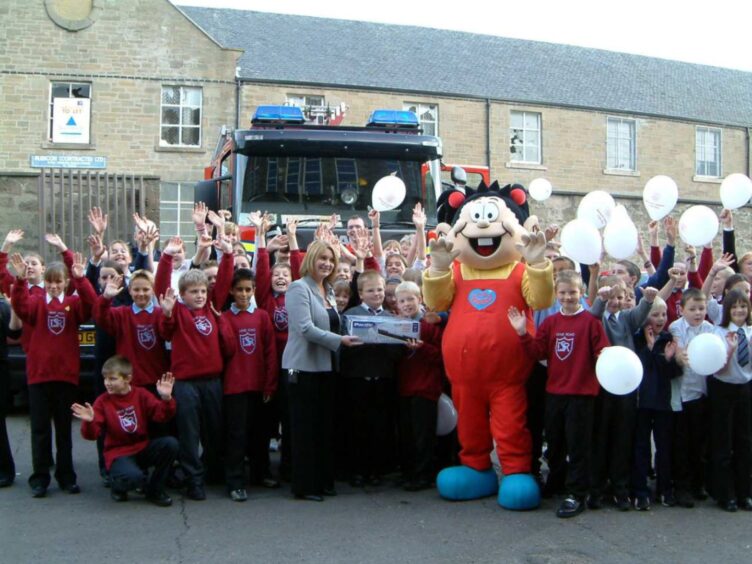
pixel 314 251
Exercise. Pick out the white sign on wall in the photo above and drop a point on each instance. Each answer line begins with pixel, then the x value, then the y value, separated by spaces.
pixel 70 120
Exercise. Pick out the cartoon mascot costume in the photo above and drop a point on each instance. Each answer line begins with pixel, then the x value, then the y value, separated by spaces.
pixel 477 275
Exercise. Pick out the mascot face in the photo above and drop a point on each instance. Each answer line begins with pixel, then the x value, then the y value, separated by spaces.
pixel 485 233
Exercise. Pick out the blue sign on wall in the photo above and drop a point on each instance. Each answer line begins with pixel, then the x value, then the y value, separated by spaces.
pixel 67 161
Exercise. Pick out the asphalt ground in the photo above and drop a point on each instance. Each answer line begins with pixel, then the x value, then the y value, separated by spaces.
pixel 383 524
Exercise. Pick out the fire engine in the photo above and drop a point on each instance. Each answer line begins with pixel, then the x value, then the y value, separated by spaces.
pixel 309 169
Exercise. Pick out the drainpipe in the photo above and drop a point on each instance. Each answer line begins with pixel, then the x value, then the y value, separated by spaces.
pixel 237 97
pixel 488 133
pixel 747 149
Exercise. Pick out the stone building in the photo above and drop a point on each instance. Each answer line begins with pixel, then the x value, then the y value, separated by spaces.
pixel 161 80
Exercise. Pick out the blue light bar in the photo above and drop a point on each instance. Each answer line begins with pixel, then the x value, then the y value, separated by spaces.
pixel 278 114
pixel 393 118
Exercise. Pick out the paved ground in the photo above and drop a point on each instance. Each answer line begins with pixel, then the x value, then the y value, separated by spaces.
pixel 379 525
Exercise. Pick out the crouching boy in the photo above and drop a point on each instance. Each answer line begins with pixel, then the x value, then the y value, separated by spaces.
pixel 123 415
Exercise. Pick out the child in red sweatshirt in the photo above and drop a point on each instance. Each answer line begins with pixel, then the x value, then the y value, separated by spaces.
pixel 419 375
pixel 250 381
pixel 192 325
pixel 122 415
pixel 52 365
pixel 570 341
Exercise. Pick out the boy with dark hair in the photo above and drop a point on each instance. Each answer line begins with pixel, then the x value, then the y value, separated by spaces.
pixel 192 325
pixel 250 381
pixel 570 341
pixel 122 415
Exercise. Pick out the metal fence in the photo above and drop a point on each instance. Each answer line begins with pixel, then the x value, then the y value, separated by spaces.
pixel 66 196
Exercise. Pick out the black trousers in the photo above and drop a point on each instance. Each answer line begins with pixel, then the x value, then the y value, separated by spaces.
pixel 245 433
pixel 311 400
pixel 128 472
pixel 7 465
pixel 536 412
pixel 569 431
pixel 417 437
pixel 369 403
pixel 199 421
pixel 613 439
pixel 660 424
pixel 689 446
pixel 51 400
pixel 730 442
pixel 283 401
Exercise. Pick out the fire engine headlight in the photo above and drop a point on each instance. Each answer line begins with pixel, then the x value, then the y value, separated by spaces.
pixel 349 196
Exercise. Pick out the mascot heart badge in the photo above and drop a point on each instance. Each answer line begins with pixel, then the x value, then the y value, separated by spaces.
pixel 481 299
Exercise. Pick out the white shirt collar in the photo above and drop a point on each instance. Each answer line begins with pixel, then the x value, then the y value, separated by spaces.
pixel 60 298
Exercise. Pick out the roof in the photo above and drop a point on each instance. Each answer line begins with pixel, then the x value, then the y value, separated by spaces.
pixel 352 54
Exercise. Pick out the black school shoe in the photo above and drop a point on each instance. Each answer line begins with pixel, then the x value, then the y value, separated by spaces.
pixel 6 482
pixel 119 496
pixel 196 492
pixel 642 503
pixel 594 502
pixel 160 498
pixel 72 489
pixel 570 507
pixel 622 502
pixel 744 503
pixel 683 499
pixel 239 495
pixel 38 491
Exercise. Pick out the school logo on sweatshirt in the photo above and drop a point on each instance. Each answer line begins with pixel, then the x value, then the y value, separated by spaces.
pixel 247 340
pixel 564 345
pixel 203 325
pixel 146 336
pixel 56 322
pixel 280 319
pixel 128 419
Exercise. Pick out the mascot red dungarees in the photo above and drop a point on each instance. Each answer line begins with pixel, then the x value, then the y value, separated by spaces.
pixel 482 354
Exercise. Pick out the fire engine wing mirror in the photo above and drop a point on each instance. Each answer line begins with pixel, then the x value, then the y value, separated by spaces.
pixel 206 191
pixel 459 176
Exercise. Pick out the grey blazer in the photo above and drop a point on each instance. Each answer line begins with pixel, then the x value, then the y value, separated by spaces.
pixel 310 342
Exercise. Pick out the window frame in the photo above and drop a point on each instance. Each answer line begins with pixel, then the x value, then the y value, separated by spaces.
pixel 632 144
pixel 165 234
pixel 51 105
pixel 514 158
pixel 420 109
pixel 304 102
pixel 180 125
pixel 718 150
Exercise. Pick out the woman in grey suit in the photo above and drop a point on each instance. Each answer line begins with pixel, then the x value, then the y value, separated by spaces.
pixel 310 359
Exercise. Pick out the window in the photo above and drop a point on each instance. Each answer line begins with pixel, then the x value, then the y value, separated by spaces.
pixel 708 152
pixel 175 211
pixel 428 116
pixel 525 137
pixel 181 117
pixel 620 144
pixel 313 106
pixel 70 112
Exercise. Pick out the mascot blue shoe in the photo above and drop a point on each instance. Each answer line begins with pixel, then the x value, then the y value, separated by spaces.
pixel 519 492
pixel 462 483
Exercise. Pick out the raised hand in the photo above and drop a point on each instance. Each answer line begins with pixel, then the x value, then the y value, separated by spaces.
pixel 19 264
pixel 164 386
pixel 217 221
pixel 551 232
pixel 292 227
pixel 670 227
pixel 517 320
pixel 375 217
pixel 55 240
pixel 727 219
pixel 276 243
pixel 649 294
pixel 670 351
pixel 649 337
pixel 653 233
pixel 96 247
pixel 419 217
pixel 443 254
pixel 532 248
pixel 141 223
pixel 256 218
pixel 224 244
pixel 83 412
pixel 174 246
pixel 79 266
pixel 604 293
pixel 199 213
pixel 151 235
pixel 204 241
pixel 13 237
pixel 98 220
pixel 167 302
pixel 725 261
pixel 114 287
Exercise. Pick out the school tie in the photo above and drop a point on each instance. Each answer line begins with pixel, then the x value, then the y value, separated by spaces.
pixel 742 349
pixel 612 322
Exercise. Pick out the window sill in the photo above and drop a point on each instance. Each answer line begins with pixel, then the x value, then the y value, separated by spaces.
pixel 523 165
pixel 620 172
pixel 177 149
pixel 69 146
pixel 707 179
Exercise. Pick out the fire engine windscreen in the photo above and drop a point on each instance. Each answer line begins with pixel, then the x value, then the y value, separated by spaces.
pixel 322 185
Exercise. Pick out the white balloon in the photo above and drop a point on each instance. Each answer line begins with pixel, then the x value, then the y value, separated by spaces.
pixel 620 235
pixel 540 189
pixel 596 208
pixel 446 416
pixel 581 241
pixel 707 354
pixel 660 196
pixel 698 225
pixel 388 193
pixel 619 370
pixel 736 190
